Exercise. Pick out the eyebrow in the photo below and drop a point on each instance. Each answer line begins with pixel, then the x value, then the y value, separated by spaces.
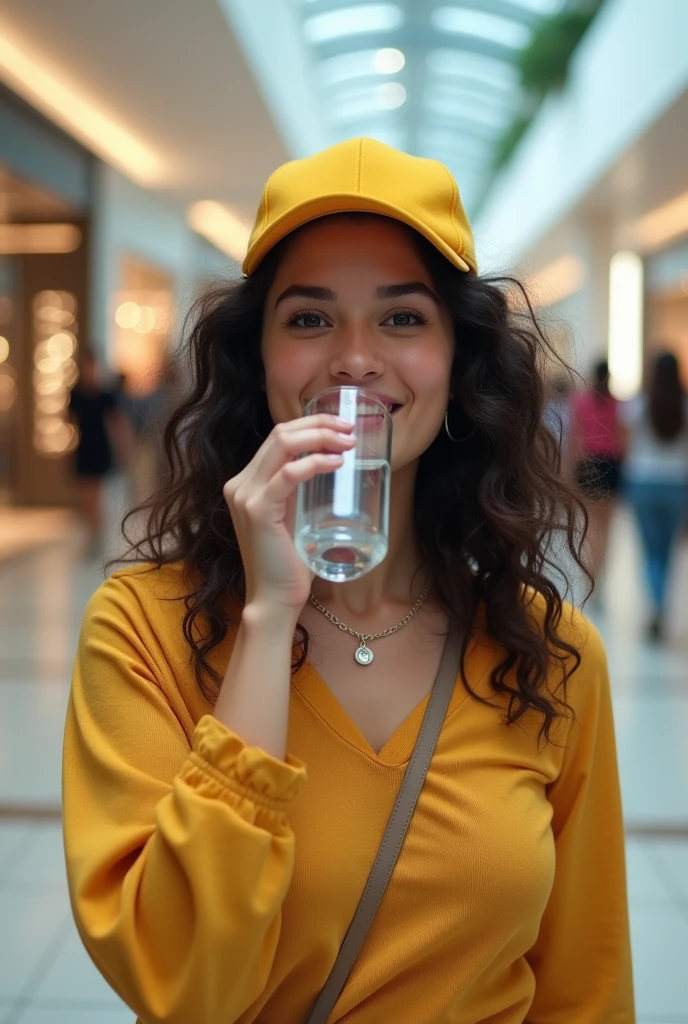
pixel 387 291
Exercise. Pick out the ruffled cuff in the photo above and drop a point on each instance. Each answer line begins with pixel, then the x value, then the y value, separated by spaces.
pixel 247 771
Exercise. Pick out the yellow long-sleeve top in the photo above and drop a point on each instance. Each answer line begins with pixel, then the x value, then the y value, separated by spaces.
pixel 213 883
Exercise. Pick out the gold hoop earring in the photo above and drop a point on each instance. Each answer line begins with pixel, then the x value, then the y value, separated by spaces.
pixel 456 440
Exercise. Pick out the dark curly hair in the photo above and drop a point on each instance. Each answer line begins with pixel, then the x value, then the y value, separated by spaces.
pixel 486 509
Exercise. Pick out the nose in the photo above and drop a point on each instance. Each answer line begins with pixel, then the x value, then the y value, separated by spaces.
pixel 356 357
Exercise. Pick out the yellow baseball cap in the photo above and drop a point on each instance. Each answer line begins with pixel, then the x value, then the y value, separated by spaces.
pixel 363 175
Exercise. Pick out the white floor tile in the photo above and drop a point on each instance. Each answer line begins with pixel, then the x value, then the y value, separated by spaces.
pixel 43 862
pixel 31 729
pixel 29 922
pixel 73 1013
pixel 673 856
pixel 659 937
pixel 74 977
pixel 644 881
pixel 652 745
pixel 15 838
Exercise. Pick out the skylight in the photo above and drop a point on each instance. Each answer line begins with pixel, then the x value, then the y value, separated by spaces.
pixel 483 24
pixel 360 64
pixel 354 105
pixel 465 108
pixel 542 6
pixel 473 92
pixel 349 21
pixel 466 63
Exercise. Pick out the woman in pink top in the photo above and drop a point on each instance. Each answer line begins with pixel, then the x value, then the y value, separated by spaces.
pixel 599 447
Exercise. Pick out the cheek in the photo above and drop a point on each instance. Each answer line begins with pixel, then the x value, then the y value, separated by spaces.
pixel 427 370
pixel 288 370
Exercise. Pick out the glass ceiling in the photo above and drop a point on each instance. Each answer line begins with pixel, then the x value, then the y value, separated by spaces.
pixel 434 77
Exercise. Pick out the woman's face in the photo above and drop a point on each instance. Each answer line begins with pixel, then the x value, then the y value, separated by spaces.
pixel 352 304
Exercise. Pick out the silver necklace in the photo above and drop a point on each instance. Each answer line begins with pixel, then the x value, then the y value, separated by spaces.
pixel 363 654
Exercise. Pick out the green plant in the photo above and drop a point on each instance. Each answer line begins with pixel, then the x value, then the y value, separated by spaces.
pixel 543 65
pixel 544 62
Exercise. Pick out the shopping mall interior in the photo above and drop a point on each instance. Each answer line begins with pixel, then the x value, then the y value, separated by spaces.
pixel 135 141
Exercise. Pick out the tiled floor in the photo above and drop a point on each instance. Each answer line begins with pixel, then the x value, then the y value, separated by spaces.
pixel 45 975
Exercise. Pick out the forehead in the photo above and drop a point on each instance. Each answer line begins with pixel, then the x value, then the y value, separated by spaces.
pixel 343 244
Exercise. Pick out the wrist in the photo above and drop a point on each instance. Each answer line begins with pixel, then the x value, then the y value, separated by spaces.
pixel 258 616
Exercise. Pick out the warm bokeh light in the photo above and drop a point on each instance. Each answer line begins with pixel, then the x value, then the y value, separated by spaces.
pixel 4 348
pixel 127 314
pixel 16 239
pixel 145 322
pixel 625 323
pixel 67 104
pixel 220 226
pixel 559 279
pixel 661 225
pixel 8 388
pixel 55 372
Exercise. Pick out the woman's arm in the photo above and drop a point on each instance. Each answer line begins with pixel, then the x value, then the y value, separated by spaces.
pixel 178 858
pixel 582 958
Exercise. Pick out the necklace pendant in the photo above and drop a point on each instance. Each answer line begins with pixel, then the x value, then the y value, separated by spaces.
pixel 363 654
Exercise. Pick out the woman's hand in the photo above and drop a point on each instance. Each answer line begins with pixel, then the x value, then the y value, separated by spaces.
pixel 262 499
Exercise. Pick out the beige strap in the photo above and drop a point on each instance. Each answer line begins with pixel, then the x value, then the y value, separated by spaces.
pixel 396 829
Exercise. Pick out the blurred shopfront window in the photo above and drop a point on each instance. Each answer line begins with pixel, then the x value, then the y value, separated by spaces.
pixel 44 293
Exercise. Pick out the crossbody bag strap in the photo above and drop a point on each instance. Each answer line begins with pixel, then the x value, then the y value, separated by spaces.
pixel 395 832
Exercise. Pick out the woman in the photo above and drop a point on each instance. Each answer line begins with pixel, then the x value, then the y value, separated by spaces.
pixel 656 475
pixel 95 412
pixel 598 451
pixel 223 806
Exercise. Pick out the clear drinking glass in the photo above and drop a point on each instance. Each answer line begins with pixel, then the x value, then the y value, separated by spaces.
pixel 342 518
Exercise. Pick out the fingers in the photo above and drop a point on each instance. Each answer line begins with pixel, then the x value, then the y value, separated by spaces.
pixel 284 482
pixel 310 434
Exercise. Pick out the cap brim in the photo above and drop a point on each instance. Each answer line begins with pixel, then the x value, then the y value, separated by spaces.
pixel 322 206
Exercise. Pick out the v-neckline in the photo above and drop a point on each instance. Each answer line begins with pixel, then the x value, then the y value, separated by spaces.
pixel 398 748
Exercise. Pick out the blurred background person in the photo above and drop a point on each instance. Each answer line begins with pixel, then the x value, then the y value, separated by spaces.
pixel 105 440
pixel 656 475
pixel 597 453
pixel 144 413
pixel 557 416
pixel 147 414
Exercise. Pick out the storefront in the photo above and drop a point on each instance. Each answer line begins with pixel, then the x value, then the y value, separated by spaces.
pixel 45 205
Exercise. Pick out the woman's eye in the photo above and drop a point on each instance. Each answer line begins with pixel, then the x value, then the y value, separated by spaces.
pixel 308 320
pixel 404 319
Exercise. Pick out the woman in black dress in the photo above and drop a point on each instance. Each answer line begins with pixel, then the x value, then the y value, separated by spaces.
pixel 95 412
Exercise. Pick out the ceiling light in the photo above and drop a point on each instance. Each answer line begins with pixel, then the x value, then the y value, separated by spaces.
pixel 496 73
pixel 348 21
pixel 360 64
pixel 361 103
pixel 220 226
pixel 664 223
pixel 391 95
pixel 38 238
pixel 625 323
pixel 64 104
pixel 494 27
pixel 388 61
pixel 556 281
